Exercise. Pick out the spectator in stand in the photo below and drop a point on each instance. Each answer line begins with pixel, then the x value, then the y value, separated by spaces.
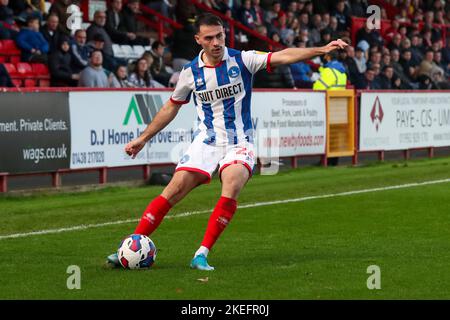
pixel 428 67
pixel 301 73
pixel 25 8
pixel 396 42
pixel 350 65
pixel 333 27
pixel 257 43
pixel 114 24
pixel 366 83
pixel 130 23
pixel 273 13
pixel 416 49
pixel 303 19
pixel 8 27
pixel 438 61
pixel 51 32
pixel 141 77
pixel 6 13
pixel 375 58
pixel 245 15
pixel 398 69
pixel 5 79
pixel 386 60
pixel 59 7
pixel 184 46
pixel 80 51
pixel 446 52
pixel 162 6
pixel 119 78
pixel 372 37
pixel 315 29
pixel 257 12
pixel 358 8
pixel 93 75
pixel 222 6
pixel 325 36
pixel 158 68
pixel 60 65
pixel 98 27
pixel 32 43
pixel 409 67
pixel 384 80
pixel 360 60
pixel 342 14
pixel 109 62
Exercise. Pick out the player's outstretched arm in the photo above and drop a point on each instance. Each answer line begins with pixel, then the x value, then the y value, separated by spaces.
pixel 293 55
pixel 161 120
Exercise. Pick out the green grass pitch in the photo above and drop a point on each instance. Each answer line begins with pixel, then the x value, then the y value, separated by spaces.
pixel 314 249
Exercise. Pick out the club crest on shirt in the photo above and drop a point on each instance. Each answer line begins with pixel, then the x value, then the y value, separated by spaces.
pixel 184 159
pixel 233 72
pixel 199 82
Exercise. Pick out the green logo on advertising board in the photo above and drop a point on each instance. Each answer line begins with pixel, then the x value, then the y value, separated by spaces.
pixel 143 108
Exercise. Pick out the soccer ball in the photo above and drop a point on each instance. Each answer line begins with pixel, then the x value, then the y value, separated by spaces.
pixel 136 252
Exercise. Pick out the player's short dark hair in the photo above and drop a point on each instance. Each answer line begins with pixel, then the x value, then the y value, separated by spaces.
pixel 207 19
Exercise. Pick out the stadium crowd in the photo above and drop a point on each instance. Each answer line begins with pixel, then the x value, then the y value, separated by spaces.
pixel 412 53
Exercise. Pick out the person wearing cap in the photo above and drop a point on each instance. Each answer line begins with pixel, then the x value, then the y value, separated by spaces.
pixel 332 75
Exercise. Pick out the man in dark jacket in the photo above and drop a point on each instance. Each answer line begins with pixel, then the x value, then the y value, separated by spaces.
pixel 384 80
pixel 130 23
pixel 114 24
pixel 98 27
pixel 51 32
pixel 60 67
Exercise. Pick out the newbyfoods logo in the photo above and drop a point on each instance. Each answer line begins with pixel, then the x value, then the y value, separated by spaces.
pixel 377 113
pixel 143 108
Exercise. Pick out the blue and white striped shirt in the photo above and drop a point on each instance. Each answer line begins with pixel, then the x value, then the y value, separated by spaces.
pixel 222 95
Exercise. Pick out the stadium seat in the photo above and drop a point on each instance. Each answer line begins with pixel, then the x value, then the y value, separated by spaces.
pixel 24 70
pixel 9 51
pixel 15 77
pixel 138 51
pixel 117 51
pixel 127 51
pixel 11 69
pixel 42 74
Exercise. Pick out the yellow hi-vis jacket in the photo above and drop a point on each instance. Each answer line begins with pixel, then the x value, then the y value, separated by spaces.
pixel 330 79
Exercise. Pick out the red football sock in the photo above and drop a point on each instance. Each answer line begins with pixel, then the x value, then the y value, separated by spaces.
pixel 153 216
pixel 221 216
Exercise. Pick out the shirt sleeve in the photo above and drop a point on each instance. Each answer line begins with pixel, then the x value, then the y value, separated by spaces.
pixel 184 87
pixel 256 60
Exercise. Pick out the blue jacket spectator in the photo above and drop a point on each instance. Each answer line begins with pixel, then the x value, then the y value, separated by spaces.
pixel 301 74
pixel 32 42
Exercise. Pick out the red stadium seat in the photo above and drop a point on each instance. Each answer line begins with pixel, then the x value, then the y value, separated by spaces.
pixel 11 69
pixel 30 83
pixel 25 70
pixel 40 70
pixel 9 51
pixel 41 74
pixel 10 47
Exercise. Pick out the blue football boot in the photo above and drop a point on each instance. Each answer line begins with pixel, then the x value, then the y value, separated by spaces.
pixel 199 262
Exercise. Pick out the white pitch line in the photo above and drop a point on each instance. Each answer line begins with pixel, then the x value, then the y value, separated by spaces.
pixel 250 205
